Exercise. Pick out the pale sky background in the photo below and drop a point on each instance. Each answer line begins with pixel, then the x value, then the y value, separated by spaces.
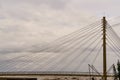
pixel 27 24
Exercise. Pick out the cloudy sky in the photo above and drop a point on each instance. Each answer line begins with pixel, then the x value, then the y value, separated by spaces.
pixel 26 25
pixel 30 23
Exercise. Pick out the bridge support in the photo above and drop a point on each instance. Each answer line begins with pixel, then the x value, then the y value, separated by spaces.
pixel 104 50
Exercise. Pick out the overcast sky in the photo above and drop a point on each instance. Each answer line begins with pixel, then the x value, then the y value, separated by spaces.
pixel 30 23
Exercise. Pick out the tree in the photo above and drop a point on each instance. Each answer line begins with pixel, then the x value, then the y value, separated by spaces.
pixel 118 69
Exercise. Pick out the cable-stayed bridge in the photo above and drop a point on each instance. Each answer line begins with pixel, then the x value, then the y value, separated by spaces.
pixel 69 54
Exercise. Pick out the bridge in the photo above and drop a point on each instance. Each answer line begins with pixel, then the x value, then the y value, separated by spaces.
pixel 69 55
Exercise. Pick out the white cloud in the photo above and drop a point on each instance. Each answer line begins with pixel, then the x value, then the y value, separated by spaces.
pixel 27 23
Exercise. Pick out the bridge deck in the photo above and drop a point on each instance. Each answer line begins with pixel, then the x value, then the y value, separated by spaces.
pixel 52 74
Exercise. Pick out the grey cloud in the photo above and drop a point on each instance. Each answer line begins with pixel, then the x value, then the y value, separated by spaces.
pixel 29 24
pixel 55 4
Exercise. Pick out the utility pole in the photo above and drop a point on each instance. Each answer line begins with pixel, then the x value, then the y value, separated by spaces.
pixel 104 49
